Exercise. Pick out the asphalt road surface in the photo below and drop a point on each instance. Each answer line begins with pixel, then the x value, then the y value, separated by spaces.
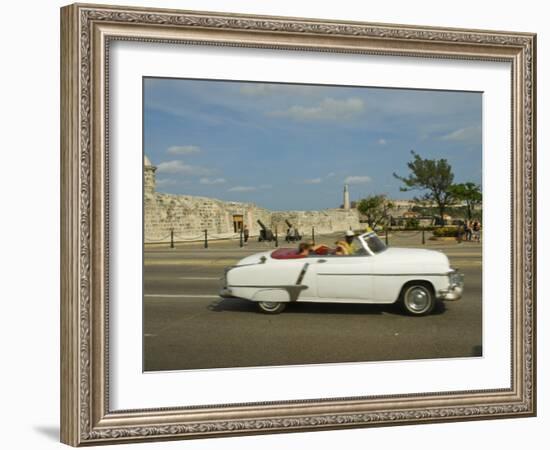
pixel 187 326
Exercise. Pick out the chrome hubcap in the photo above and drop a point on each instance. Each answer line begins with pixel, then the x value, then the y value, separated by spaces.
pixel 269 305
pixel 418 298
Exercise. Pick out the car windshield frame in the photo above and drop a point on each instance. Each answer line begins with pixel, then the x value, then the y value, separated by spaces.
pixel 364 239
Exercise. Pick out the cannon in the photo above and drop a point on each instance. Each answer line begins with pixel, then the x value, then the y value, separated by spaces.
pixel 292 233
pixel 265 233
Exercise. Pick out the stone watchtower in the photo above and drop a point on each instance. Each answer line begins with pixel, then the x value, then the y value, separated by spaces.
pixel 347 204
pixel 149 183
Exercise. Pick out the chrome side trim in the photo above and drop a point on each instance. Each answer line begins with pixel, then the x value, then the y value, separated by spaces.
pixel 302 274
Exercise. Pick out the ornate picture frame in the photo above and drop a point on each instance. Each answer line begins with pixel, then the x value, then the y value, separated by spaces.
pixel 86 34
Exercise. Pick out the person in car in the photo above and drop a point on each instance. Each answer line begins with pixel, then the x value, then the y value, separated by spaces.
pixel 345 246
pixel 309 248
pixel 304 249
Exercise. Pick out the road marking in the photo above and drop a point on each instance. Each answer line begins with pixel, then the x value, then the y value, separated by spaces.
pixel 190 262
pixel 199 278
pixel 181 296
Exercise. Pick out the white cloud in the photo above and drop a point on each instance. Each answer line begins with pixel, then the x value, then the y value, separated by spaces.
pixel 331 174
pixel 212 180
pixel 181 168
pixel 166 182
pixel 242 189
pixel 184 149
pixel 382 141
pixel 249 188
pixel 328 109
pixel 313 181
pixel 463 134
pixel 358 179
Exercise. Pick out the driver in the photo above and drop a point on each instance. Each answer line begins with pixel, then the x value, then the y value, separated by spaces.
pixel 345 246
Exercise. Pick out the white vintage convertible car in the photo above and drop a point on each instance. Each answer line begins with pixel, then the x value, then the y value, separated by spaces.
pixel 416 278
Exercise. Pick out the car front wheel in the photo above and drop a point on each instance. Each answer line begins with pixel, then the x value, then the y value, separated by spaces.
pixel 271 307
pixel 418 299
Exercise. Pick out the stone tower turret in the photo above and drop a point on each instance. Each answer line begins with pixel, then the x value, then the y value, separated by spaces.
pixel 347 204
pixel 149 182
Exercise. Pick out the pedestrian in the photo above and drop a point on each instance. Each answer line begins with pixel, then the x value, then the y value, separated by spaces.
pixel 476 228
pixel 290 234
pixel 468 230
pixel 459 233
pixel 246 233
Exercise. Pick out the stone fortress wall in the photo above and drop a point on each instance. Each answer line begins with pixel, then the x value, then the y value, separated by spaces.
pixel 188 216
pixel 325 221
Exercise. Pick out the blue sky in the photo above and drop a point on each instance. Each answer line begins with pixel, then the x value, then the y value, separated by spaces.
pixel 288 146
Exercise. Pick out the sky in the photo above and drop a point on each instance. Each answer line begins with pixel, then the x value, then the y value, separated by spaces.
pixel 293 147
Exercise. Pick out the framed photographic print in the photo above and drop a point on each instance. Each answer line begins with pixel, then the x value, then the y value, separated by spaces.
pixel 276 224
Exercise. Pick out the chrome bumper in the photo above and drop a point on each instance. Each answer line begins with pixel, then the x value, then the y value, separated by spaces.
pixel 455 289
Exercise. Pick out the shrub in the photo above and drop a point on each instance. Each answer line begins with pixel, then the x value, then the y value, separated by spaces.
pixel 445 231
pixel 412 224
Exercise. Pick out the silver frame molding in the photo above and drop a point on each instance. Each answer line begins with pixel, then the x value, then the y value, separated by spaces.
pixel 86 32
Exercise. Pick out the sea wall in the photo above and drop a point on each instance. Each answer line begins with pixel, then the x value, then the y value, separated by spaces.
pixel 324 221
pixel 187 217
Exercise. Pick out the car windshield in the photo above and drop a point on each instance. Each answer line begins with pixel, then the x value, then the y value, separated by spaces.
pixel 374 243
pixel 357 248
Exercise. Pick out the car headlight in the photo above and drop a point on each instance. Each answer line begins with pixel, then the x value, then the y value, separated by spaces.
pixel 456 278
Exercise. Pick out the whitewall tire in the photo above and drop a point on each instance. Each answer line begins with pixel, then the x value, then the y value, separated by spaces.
pixel 271 307
pixel 418 298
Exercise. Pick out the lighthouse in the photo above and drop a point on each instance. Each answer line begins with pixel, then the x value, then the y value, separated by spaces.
pixel 347 203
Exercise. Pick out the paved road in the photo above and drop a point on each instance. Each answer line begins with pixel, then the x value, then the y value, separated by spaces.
pixel 187 326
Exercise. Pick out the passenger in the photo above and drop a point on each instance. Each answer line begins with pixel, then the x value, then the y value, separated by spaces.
pixel 309 248
pixel 318 249
pixel 304 248
pixel 345 247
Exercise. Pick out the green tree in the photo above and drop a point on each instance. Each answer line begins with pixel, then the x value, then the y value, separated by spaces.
pixel 470 193
pixel 434 177
pixel 375 208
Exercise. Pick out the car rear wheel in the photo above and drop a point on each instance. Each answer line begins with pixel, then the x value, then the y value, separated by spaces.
pixel 271 307
pixel 418 299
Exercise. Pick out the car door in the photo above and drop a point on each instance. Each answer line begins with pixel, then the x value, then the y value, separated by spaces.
pixel 343 278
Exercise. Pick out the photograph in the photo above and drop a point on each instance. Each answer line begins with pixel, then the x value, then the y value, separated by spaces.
pixel 294 224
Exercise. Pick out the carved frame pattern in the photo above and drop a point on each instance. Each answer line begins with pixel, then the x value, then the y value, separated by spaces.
pixel 86 418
